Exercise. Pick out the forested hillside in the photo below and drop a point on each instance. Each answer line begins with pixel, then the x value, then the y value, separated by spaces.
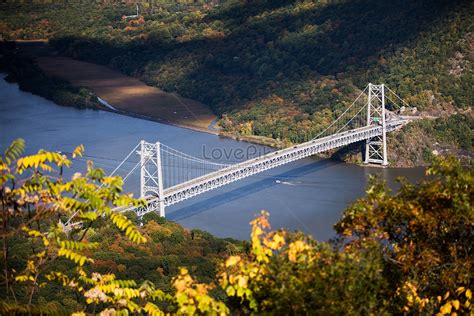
pixel 281 69
pixel 169 248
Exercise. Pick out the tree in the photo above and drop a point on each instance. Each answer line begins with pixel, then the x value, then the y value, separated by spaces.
pixel 290 273
pixel 50 217
pixel 405 253
pixel 426 232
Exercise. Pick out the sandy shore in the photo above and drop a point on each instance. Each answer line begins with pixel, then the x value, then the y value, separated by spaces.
pixel 129 95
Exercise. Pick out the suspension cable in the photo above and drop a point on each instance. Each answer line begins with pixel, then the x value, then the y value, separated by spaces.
pixel 188 157
pixel 363 91
pixel 124 160
pixel 131 171
pixel 351 118
pixel 403 101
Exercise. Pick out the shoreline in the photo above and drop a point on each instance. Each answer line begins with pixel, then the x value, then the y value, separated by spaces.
pixel 258 140
pixel 109 88
pixel 248 139
pixel 127 94
pixel 160 120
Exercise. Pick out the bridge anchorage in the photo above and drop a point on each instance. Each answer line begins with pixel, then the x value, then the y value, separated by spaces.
pixel 168 176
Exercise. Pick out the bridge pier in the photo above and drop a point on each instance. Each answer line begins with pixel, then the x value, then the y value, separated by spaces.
pixel 376 147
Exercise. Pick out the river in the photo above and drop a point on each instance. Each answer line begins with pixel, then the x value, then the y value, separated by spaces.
pixel 307 195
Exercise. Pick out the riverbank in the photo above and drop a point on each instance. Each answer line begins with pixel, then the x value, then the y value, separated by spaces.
pixel 29 77
pixel 111 91
pixel 126 95
pixel 129 95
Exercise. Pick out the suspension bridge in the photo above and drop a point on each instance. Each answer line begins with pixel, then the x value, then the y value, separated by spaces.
pixel 169 176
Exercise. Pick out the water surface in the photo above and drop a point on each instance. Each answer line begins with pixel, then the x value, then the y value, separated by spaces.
pixel 307 195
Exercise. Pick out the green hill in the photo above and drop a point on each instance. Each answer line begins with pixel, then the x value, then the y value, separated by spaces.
pixel 281 69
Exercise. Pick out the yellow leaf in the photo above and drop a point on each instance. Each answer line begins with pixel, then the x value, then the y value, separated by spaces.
pixel 21 278
pixel 446 308
pixel 276 242
pixel 455 304
pixel 295 248
pixel 232 260
pixel 230 291
pixel 31 266
pixel 243 282
pixel 469 294
pixel 460 290
pixel 152 309
pixel 78 151
pixel 73 256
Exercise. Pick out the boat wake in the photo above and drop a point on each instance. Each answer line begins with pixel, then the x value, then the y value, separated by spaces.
pixel 288 183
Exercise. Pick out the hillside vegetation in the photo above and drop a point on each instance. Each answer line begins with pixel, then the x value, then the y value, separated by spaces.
pixel 280 69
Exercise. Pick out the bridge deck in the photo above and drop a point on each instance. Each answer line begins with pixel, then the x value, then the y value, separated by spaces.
pixel 247 163
pixel 250 167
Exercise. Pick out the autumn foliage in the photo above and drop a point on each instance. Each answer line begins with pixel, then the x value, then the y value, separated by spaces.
pixel 408 252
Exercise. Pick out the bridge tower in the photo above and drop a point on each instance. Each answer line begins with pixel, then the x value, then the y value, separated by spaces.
pixel 376 147
pixel 151 180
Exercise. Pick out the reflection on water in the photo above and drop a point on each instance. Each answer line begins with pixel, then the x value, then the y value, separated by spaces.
pixel 306 195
